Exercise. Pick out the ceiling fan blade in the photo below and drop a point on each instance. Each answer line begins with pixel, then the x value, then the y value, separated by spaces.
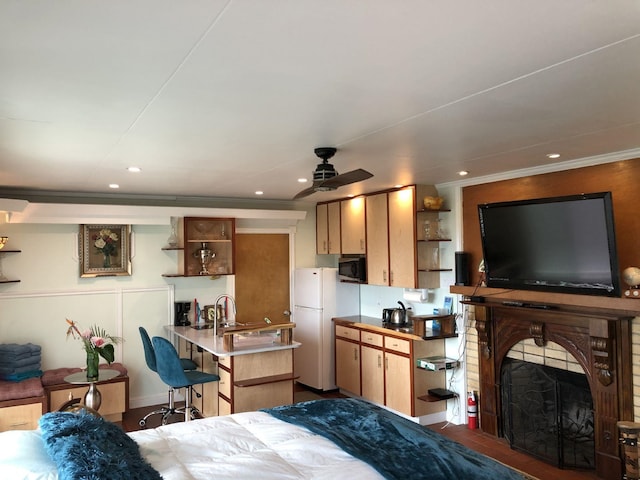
pixel 305 193
pixel 346 178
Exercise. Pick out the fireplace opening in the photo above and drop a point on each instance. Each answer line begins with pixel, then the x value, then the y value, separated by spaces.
pixel 548 413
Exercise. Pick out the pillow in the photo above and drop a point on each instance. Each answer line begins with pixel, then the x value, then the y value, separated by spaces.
pixel 83 446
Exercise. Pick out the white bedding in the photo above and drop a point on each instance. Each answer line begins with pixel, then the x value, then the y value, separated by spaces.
pixel 239 446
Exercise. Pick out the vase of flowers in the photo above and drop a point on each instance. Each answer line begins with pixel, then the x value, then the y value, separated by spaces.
pixel 106 243
pixel 97 343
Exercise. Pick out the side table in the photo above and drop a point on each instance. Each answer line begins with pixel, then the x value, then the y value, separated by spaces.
pixel 93 397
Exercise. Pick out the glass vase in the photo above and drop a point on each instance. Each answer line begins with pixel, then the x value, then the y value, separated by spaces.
pixel 93 359
pixel 107 261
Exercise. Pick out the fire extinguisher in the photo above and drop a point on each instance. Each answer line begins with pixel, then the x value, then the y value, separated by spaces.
pixel 472 410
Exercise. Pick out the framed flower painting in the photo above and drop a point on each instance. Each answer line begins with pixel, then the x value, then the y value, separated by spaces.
pixel 105 250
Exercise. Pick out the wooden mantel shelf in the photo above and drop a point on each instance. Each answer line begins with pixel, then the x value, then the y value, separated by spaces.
pixel 589 303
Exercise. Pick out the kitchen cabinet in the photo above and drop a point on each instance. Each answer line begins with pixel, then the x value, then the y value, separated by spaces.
pixel 4 279
pixel 255 381
pixel 381 367
pixel 208 247
pixel 373 366
pixel 377 239
pixel 397 364
pixel 402 238
pixel 390 231
pixel 333 227
pixel 260 378
pixel 328 228
pixel 322 229
pixel 352 226
pixel 347 345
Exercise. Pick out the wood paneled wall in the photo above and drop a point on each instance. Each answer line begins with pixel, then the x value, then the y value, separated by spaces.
pixel 621 178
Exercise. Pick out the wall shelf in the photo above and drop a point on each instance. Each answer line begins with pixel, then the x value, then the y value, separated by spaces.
pixel 3 279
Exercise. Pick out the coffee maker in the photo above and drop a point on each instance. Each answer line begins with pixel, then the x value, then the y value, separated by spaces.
pixel 181 318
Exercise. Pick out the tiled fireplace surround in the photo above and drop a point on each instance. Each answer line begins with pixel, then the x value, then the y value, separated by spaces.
pixel 599 343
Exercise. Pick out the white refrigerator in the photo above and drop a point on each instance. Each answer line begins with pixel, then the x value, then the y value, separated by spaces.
pixel 318 297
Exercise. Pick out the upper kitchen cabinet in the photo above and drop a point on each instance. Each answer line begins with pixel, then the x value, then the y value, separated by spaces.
pixel 328 228
pixel 391 247
pixel 352 229
pixel 377 239
pixel 208 247
pixel 402 238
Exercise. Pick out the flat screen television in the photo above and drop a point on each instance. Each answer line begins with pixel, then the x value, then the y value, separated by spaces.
pixel 561 244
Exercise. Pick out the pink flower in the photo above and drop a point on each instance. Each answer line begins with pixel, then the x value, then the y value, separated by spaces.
pixel 98 341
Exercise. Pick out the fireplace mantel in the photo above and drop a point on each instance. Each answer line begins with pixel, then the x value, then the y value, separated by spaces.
pixel 595 330
pixel 562 301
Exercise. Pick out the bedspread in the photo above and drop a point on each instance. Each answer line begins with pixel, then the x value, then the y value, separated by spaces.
pixel 240 446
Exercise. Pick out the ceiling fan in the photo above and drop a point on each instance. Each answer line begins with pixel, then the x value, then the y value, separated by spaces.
pixel 326 178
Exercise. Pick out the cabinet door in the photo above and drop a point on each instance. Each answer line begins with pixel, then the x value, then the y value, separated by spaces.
pixel 322 229
pixel 333 220
pixel 377 240
pixel 348 366
pixel 372 374
pixel 402 238
pixel 398 382
pixel 352 226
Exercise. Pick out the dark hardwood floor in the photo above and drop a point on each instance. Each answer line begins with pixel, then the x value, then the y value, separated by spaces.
pixel 475 439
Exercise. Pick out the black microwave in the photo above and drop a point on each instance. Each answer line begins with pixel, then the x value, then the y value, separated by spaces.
pixel 353 269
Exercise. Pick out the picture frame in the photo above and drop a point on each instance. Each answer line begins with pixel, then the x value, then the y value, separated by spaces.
pixel 105 250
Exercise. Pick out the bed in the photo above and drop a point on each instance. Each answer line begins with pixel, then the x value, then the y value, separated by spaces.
pixel 321 439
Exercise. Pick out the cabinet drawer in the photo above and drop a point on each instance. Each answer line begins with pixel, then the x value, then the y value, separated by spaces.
pixel 225 362
pixel 397 345
pixel 224 385
pixel 371 338
pixel 224 407
pixel 346 332
pixel 20 417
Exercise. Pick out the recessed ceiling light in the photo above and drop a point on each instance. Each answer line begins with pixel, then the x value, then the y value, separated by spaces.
pixel 259 192
pixel 553 155
pixel 398 186
pixel 302 180
pixel 134 169
pixel 462 173
pixel 114 185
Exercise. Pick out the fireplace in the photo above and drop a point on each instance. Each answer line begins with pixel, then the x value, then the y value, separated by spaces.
pixel 548 413
pixel 599 340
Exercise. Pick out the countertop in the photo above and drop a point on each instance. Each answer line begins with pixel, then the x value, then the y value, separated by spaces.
pixel 206 340
pixel 375 324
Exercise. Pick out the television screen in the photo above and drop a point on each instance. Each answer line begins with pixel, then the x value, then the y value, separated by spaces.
pixel 563 244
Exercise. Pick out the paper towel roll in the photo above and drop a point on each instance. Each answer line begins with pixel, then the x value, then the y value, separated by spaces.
pixel 415 295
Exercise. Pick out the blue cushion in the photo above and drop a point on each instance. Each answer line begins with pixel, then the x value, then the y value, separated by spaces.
pixel 87 447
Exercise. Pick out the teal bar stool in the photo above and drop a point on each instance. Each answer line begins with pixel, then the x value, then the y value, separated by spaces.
pixel 172 373
pixel 150 358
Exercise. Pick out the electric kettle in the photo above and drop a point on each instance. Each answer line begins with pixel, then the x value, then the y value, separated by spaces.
pixel 399 316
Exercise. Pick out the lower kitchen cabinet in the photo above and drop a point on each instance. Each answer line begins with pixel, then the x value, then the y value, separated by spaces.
pixel 382 368
pixel 348 365
pixel 398 383
pixel 372 374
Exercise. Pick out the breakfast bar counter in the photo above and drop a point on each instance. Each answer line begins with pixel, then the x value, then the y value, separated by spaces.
pixel 257 373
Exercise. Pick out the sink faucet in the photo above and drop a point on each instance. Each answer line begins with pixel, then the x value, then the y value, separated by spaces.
pixel 215 311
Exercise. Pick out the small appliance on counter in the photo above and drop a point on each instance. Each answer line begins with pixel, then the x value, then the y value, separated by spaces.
pixel 395 317
pixel 182 310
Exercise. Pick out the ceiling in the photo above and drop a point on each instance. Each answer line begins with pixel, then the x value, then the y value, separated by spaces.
pixel 222 98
